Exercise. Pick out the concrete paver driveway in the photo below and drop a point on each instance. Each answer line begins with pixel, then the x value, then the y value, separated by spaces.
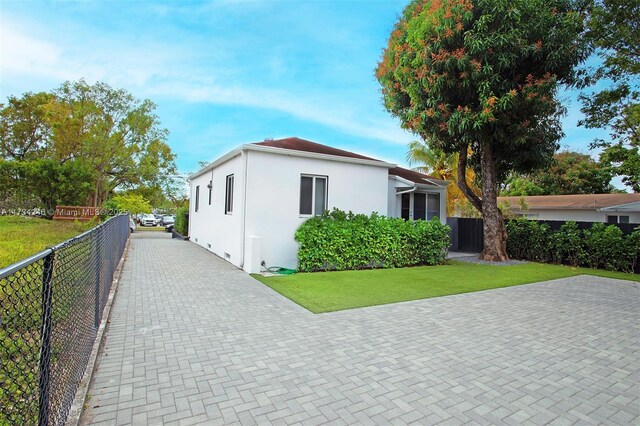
pixel 194 340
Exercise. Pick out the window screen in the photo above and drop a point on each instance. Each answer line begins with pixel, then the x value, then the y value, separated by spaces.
pixel 419 206
pixel 320 196
pixel 228 198
pixel 433 206
pixel 405 206
pixel 306 194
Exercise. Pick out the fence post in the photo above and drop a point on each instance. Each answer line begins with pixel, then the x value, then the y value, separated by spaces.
pixel 45 340
pixel 98 276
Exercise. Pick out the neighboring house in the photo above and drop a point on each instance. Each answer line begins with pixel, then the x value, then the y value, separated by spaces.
pixel 608 208
pixel 246 205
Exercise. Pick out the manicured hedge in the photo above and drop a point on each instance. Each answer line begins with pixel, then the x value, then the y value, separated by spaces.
pixel 181 224
pixel 339 241
pixel 601 246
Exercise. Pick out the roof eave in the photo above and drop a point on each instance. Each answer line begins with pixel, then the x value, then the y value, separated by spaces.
pixel 436 182
pixel 429 185
pixel 619 207
pixel 228 156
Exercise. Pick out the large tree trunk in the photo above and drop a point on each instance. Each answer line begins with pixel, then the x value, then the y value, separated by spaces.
pixel 495 233
pixel 462 179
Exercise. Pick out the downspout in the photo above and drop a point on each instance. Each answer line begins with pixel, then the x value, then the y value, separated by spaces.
pixel 243 219
pixel 190 205
pixel 407 191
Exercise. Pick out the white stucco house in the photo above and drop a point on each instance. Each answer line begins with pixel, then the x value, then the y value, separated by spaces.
pixel 246 205
pixel 607 208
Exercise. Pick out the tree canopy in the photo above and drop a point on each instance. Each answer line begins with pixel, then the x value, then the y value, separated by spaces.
pixel 614 30
pixel 569 173
pixel 106 131
pixel 131 203
pixel 483 76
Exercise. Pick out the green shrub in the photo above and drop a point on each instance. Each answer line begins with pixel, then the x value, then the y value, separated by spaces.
pixel 340 241
pixel 601 246
pixel 632 250
pixel 606 247
pixel 529 239
pixel 567 244
pixel 181 224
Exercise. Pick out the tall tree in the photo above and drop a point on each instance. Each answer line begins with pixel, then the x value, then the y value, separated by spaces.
pixel 119 135
pixel 24 133
pixel 614 29
pixel 111 132
pixel 569 173
pixel 431 161
pixel 483 75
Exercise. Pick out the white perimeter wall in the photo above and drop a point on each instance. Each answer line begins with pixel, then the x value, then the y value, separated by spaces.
pixel 273 198
pixel 210 227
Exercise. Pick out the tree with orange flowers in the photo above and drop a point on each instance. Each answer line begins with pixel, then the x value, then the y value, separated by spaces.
pixel 482 77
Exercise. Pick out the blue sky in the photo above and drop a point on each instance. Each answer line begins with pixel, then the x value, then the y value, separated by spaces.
pixel 226 72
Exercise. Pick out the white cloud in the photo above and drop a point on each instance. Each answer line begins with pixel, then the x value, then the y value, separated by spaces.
pixel 151 69
pixel 336 113
pixel 21 53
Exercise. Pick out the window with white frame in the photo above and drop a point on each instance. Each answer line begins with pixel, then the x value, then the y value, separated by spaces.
pixel 228 198
pixel 210 186
pixel 197 198
pixel 313 194
pixel 617 219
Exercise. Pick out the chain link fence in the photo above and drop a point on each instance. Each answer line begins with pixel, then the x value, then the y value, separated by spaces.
pixel 51 305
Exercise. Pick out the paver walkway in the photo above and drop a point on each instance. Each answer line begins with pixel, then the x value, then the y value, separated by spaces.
pixel 194 340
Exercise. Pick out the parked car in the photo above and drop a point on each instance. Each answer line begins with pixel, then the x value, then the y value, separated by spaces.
pixel 132 224
pixel 148 220
pixel 167 219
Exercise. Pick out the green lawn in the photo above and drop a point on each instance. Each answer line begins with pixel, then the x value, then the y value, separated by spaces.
pixel 22 237
pixel 334 291
pixel 150 228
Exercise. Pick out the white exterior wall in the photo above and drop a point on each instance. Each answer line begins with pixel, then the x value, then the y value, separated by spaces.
pixel 578 215
pixel 273 198
pixel 210 227
pixel 633 217
pixel 393 201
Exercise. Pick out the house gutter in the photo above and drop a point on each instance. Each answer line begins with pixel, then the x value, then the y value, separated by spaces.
pixel 407 191
pixel 243 219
